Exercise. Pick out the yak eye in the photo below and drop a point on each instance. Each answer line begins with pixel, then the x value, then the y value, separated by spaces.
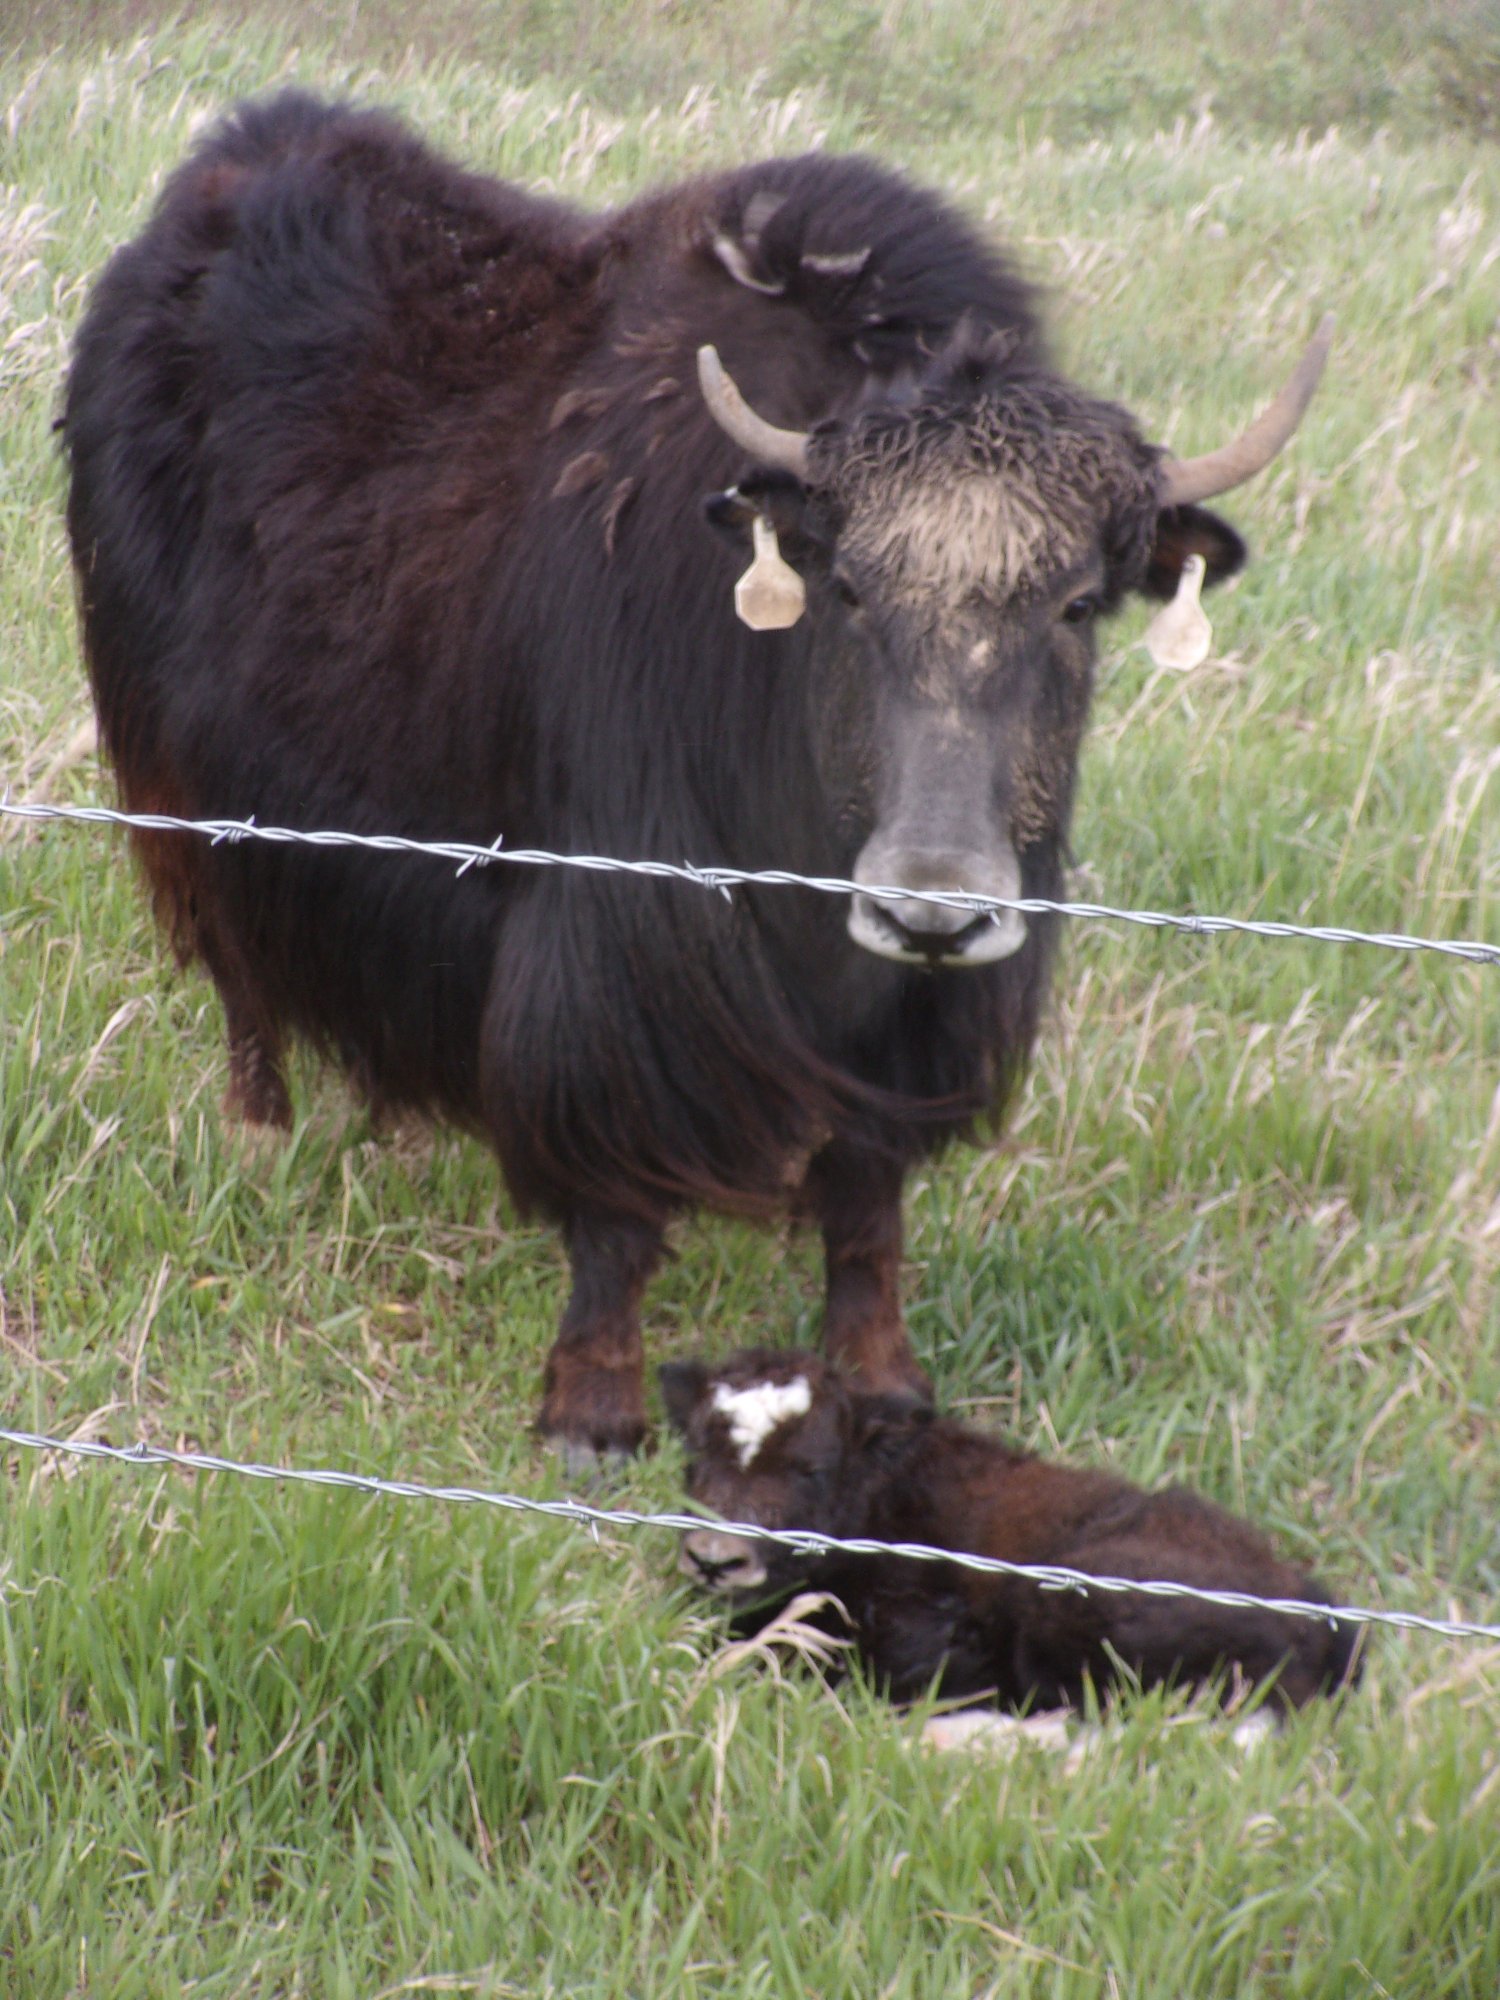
pixel 1079 610
pixel 847 593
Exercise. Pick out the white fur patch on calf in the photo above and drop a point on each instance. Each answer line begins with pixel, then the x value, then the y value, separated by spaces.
pixel 754 1413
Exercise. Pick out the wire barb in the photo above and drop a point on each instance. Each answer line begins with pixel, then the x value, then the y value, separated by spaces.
pixel 482 857
pixel 707 878
pixel 233 835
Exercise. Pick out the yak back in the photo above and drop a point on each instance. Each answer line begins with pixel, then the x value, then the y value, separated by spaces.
pixel 923 1626
pixel 386 506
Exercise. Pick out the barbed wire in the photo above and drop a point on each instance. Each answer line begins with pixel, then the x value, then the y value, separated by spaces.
pixel 1049 1576
pixel 725 879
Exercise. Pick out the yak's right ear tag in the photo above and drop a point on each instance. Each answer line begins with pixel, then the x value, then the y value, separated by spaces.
pixel 1179 636
pixel 770 595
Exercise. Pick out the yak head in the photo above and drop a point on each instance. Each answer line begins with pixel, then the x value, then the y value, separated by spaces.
pixel 775 1439
pixel 960 534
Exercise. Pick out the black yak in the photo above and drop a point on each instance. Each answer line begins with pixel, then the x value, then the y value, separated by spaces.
pixel 783 1440
pixel 387 504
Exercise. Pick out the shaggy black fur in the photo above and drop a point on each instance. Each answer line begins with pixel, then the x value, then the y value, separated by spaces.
pixel 387 510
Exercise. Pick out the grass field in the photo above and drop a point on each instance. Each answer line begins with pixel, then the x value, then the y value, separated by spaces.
pixel 1245 1231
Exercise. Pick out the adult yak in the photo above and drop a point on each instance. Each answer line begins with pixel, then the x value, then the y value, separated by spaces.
pixel 388 510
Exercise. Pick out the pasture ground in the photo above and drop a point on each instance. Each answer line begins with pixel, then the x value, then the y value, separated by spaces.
pixel 1245 1231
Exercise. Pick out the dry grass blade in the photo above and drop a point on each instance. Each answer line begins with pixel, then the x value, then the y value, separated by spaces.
pixel 82 743
pixel 1013 1940
pixel 788 1636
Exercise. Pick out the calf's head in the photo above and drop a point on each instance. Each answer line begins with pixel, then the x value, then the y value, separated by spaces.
pixel 774 1439
pixel 960 536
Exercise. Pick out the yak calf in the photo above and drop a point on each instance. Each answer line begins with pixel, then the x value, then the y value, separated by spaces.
pixel 785 1440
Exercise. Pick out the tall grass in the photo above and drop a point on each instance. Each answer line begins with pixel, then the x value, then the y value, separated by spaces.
pixel 1245 1230
pixel 1069 69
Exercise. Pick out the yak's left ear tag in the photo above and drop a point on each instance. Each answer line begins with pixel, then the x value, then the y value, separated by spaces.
pixel 770 595
pixel 1180 635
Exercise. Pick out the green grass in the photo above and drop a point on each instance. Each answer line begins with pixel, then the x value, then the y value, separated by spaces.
pixel 1072 70
pixel 1244 1230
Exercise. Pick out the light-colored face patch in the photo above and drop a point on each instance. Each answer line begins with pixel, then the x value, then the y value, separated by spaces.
pixel 950 536
pixel 756 1412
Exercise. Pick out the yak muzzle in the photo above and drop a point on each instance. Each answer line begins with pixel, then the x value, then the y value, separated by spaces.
pixel 893 923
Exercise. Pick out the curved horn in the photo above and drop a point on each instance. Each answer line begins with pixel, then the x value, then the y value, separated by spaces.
pixel 1186 479
pixel 786 451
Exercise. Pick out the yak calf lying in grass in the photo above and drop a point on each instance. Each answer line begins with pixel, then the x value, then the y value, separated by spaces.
pixel 779 1440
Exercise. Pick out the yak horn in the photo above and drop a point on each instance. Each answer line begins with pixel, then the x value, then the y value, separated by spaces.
pixel 1186 479
pixel 785 451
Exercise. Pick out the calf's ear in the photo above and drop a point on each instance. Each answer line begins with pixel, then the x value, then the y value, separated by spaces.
pixel 682 1387
pixel 884 1424
pixel 1191 531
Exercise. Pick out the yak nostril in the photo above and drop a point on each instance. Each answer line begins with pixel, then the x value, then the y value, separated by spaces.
pixel 888 930
pixel 717 1564
pixel 711 1569
pixel 937 944
pixel 939 921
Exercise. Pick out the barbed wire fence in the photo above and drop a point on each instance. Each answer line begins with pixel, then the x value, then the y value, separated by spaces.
pixel 467 856
pixel 724 880
pixel 1048 1576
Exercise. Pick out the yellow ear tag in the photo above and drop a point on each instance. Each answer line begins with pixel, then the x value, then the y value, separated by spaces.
pixel 1180 635
pixel 770 595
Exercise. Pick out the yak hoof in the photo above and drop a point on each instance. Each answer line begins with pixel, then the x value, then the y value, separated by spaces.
pixel 594 1416
pixel 257 1100
pixel 914 1387
pixel 585 1464
pixel 903 1381
pixel 255 1142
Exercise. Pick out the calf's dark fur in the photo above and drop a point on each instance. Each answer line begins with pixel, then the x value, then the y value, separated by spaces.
pixel 784 1440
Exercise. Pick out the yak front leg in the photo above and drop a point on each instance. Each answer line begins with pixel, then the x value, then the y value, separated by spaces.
pixel 593 1405
pixel 855 1194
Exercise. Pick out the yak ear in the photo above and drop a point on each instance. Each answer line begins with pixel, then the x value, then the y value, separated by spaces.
pixel 883 1424
pixel 682 1387
pixel 1191 531
pixel 777 497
